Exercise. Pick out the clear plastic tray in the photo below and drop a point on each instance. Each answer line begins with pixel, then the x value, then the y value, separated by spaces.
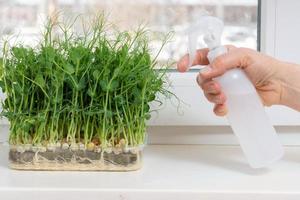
pixel 27 157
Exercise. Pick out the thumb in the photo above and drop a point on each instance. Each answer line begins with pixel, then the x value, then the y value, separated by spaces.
pixel 236 57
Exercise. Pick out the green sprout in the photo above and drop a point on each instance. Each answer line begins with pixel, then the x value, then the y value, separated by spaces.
pixel 93 88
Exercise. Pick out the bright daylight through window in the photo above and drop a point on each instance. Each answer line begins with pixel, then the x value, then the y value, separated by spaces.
pixel 25 18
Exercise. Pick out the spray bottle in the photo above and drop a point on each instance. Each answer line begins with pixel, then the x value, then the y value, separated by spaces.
pixel 246 114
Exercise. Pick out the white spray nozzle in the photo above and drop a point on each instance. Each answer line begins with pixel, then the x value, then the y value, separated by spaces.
pixel 210 28
pixel 211 40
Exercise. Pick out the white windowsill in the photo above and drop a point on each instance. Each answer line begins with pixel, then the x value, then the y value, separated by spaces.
pixel 208 172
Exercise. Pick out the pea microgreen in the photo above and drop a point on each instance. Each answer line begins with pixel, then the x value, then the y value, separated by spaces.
pixel 78 88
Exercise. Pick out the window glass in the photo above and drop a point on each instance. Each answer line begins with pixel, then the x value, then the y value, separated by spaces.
pixel 25 17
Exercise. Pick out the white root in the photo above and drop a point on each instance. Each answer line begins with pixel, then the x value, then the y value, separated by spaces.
pixel 40 162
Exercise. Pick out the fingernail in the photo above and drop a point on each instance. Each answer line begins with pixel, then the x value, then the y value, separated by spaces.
pixel 223 110
pixel 211 90
pixel 199 80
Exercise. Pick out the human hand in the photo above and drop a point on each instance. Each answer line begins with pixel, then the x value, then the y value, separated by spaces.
pixel 266 74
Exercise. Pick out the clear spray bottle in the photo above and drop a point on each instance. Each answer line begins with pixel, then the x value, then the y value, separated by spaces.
pixel 246 113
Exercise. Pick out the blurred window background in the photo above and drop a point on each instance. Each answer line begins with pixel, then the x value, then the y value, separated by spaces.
pixel 25 18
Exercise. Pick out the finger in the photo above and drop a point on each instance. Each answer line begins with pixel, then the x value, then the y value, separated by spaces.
pixel 220 109
pixel 211 87
pixel 200 59
pixel 238 57
pixel 216 98
pixel 200 80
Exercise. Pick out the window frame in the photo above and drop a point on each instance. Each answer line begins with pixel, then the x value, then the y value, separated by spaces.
pixel 279 115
